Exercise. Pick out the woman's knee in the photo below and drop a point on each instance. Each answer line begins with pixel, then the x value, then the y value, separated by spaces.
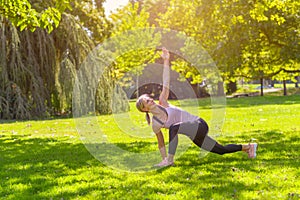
pixel 173 130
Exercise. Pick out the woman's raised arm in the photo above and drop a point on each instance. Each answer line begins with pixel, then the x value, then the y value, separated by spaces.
pixel 163 98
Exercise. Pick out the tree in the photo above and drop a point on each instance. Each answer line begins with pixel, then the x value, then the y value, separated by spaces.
pixel 206 22
pixel 139 42
pixel 252 39
pixel 127 50
pixel 273 41
pixel 39 68
pixel 246 38
pixel 91 16
pixel 155 8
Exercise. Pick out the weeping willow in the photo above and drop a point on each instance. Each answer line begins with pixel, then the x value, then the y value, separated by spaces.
pixel 26 72
pixel 72 47
pixel 38 70
pixel 79 52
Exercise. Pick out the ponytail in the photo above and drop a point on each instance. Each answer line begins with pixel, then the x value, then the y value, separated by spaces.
pixel 148 118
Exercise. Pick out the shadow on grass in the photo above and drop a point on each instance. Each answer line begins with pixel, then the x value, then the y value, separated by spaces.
pixel 40 168
pixel 35 168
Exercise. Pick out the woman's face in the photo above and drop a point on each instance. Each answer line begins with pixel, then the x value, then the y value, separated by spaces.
pixel 148 103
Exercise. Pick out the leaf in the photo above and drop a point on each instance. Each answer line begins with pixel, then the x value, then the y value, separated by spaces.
pixel 23 26
pixel 21 22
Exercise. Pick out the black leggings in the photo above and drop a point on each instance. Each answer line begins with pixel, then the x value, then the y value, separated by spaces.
pixel 197 132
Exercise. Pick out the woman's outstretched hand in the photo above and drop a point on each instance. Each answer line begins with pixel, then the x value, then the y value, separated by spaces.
pixel 165 54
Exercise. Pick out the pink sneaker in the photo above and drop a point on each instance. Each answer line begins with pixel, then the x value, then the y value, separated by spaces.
pixel 252 150
pixel 164 163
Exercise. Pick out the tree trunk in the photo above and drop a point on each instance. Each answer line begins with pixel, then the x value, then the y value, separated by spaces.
pixel 272 84
pixel 220 88
pixel 231 87
pixel 261 87
pixel 284 88
pixel 196 89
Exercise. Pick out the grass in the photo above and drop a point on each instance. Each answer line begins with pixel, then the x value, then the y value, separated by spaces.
pixel 48 160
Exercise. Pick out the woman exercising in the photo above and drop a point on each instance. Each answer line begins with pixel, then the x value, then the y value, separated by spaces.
pixel 179 121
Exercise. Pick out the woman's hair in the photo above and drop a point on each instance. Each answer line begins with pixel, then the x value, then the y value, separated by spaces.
pixel 139 105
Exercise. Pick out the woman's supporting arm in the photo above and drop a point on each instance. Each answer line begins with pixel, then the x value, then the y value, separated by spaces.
pixel 161 144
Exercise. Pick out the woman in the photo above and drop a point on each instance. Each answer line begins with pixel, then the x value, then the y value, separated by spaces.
pixel 180 121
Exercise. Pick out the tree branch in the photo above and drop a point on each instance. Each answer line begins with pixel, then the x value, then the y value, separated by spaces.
pixel 291 71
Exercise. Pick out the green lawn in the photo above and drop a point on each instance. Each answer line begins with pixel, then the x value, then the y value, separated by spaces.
pixel 47 160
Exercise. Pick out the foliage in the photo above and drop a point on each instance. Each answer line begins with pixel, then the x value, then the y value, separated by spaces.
pixel 22 14
pixel 73 45
pixel 133 24
pixel 24 75
pixel 91 16
pixel 136 42
pixel 246 39
pixel 250 39
pixel 276 37
pixel 155 8
pixel 39 68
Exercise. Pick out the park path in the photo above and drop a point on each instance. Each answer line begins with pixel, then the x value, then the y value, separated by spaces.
pixel 272 90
